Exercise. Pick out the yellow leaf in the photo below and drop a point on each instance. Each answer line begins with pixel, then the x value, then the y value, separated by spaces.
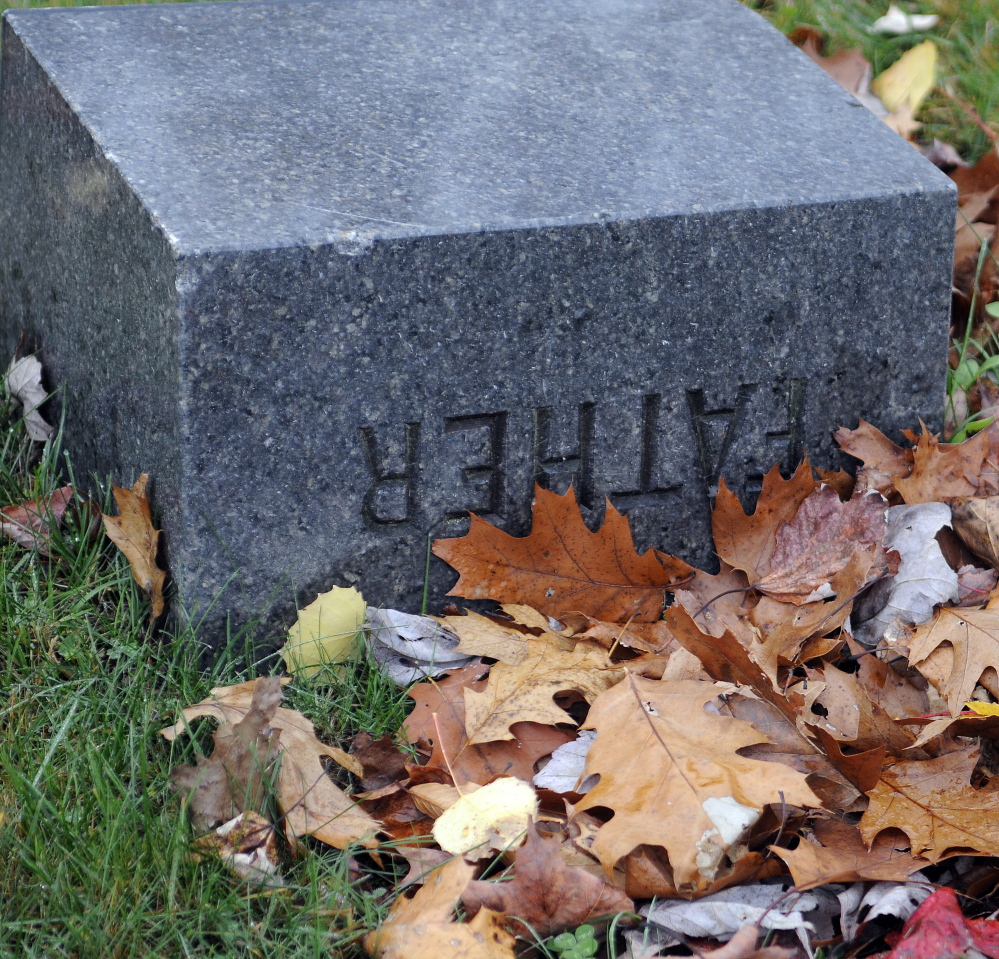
pixel 983 709
pixel 491 818
pixel 909 79
pixel 325 632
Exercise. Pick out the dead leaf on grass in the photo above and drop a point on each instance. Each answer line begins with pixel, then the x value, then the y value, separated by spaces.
pixel 312 804
pixel 24 383
pixel 32 523
pixel 132 532
pixel 248 846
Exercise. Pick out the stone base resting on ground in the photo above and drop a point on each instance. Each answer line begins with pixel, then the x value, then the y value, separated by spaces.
pixel 336 273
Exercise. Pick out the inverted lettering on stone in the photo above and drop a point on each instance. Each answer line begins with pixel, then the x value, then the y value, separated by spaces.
pixel 474 447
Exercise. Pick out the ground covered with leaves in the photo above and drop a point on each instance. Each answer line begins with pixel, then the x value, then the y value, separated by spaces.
pixel 615 754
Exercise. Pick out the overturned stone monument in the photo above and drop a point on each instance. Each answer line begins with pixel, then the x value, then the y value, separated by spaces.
pixel 336 273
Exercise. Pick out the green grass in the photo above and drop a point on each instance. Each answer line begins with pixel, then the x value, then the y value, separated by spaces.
pixel 968 38
pixel 94 846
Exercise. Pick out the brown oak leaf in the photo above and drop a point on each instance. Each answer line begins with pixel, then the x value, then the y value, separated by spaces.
pixel 680 762
pixel 839 854
pixel 237 777
pixel 563 567
pixel 312 804
pixel 884 461
pixel 474 763
pixel 424 928
pixel 132 532
pixel 974 636
pixel 941 471
pixel 935 805
pixel 748 542
pixel 976 521
pixel 546 894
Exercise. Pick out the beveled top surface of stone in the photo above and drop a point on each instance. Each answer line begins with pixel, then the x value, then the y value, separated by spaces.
pixel 288 122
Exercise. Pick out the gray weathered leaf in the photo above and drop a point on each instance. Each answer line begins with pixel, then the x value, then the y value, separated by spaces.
pixel 24 383
pixel 565 770
pixel 924 579
pixel 408 648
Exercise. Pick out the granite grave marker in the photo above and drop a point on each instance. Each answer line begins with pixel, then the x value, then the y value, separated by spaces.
pixel 337 272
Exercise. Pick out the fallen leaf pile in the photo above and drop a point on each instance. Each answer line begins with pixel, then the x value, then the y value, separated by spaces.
pixel 769 747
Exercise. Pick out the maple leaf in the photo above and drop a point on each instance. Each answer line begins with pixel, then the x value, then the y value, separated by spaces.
pixel 748 542
pixel 132 532
pixel 33 522
pixel 523 693
pixel 934 804
pixel 423 927
pixel 546 895
pixel 839 854
pixel 674 784
pixel 474 763
pixel 310 801
pixel 561 566
pixel 823 537
pixel 974 635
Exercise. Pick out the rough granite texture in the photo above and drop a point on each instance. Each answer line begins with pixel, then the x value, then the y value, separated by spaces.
pixel 337 272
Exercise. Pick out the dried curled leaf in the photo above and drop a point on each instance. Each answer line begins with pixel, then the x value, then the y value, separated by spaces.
pixel 312 804
pixel 132 532
pixel 24 383
pixel 32 523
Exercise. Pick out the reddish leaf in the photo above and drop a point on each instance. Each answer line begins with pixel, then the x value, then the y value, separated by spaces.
pixel 561 566
pixel 938 929
pixel 31 524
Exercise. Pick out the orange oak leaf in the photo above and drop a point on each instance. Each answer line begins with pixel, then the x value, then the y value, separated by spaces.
pixel 839 854
pixel 132 532
pixel 974 636
pixel 748 542
pixel 32 523
pixel 424 928
pixel 563 567
pixel 935 805
pixel 681 769
pixel 546 894
pixel 474 763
